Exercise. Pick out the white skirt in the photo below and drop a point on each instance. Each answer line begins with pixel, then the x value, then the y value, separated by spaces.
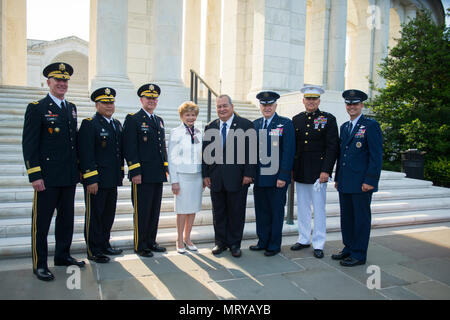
pixel 189 199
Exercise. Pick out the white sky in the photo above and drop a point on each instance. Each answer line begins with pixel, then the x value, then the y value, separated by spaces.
pixel 54 19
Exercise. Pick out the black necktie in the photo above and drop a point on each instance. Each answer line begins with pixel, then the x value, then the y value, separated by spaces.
pixel 265 124
pixel 111 123
pixel 350 127
pixel 153 118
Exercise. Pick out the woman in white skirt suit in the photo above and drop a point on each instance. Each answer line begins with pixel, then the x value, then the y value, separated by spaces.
pixel 185 159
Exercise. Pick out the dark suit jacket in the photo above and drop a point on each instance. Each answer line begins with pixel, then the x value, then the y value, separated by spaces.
pixel 228 176
pixel 317 145
pixel 100 152
pixel 49 143
pixel 283 128
pixel 361 156
pixel 144 146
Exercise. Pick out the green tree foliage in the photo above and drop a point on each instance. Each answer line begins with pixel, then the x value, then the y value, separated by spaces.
pixel 414 107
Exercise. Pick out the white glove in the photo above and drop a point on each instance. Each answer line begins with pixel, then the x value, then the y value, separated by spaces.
pixel 317 185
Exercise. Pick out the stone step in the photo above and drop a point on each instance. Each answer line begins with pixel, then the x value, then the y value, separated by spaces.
pixel 124 217
pixel 386 201
pixel 22 181
pixel 11 140
pixel 21 246
pixel 13 90
pixel 13 198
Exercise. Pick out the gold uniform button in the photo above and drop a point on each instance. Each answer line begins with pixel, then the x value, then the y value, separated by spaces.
pixel 309 118
pixel 307 125
pixel 307 133
pixel 306 141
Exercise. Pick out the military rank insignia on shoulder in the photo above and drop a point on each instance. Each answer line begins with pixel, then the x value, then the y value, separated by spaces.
pixel 88 119
pixel 34 102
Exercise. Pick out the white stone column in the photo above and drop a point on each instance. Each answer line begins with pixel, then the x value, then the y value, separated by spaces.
pixel 110 49
pixel 212 50
pixel 13 42
pixel 167 52
pixel 380 41
pixel 337 32
pixel 278 46
pixel 192 39
pixel 410 12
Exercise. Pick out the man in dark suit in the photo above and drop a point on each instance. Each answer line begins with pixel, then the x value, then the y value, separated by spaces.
pixel 317 139
pixel 272 178
pixel 49 144
pixel 357 175
pixel 101 162
pixel 146 156
pixel 228 172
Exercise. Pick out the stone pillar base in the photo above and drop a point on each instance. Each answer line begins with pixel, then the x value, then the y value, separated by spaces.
pixel 173 93
pixel 126 93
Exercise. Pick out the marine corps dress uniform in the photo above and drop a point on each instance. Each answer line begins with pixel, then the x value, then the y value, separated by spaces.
pixel 101 162
pixel 317 149
pixel 146 155
pixel 49 144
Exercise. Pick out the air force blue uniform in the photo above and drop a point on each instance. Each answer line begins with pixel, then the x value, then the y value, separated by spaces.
pixel 270 200
pixel 359 162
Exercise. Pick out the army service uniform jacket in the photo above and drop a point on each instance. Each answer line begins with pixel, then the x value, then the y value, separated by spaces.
pixel 145 147
pixel 49 143
pixel 317 142
pixel 101 152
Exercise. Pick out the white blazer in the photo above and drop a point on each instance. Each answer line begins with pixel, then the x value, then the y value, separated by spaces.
pixel 184 157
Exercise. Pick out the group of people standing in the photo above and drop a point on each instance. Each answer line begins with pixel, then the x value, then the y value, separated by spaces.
pixel 227 157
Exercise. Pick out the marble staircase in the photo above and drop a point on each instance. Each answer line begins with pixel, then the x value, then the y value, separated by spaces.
pixel 400 201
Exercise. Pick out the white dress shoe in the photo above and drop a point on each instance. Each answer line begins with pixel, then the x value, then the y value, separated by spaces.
pixel 191 248
pixel 181 250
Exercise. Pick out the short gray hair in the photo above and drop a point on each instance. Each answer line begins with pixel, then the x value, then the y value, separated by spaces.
pixel 225 96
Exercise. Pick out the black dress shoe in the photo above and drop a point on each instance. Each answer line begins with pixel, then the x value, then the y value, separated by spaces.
pixel 144 253
pixel 340 256
pixel 351 262
pixel 99 258
pixel 318 253
pixel 157 248
pixel 69 262
pixel 112 252
pixel 218 249
pixel 270 253
pixel 44 274
pixel 256 248
pixel 235 252
pixel 299 246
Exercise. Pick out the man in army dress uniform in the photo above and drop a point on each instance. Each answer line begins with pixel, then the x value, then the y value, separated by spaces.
pixel 101 162
pixel 317 149
pixel 270 189
pixel 146 156
pixel 357 174
pixel 49 144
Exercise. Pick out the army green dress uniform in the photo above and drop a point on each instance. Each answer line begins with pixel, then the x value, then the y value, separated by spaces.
pixel 102 162
pixel 49 144
pixel 146 155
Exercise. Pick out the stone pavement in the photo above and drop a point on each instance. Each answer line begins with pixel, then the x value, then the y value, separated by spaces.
pixel 414 264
